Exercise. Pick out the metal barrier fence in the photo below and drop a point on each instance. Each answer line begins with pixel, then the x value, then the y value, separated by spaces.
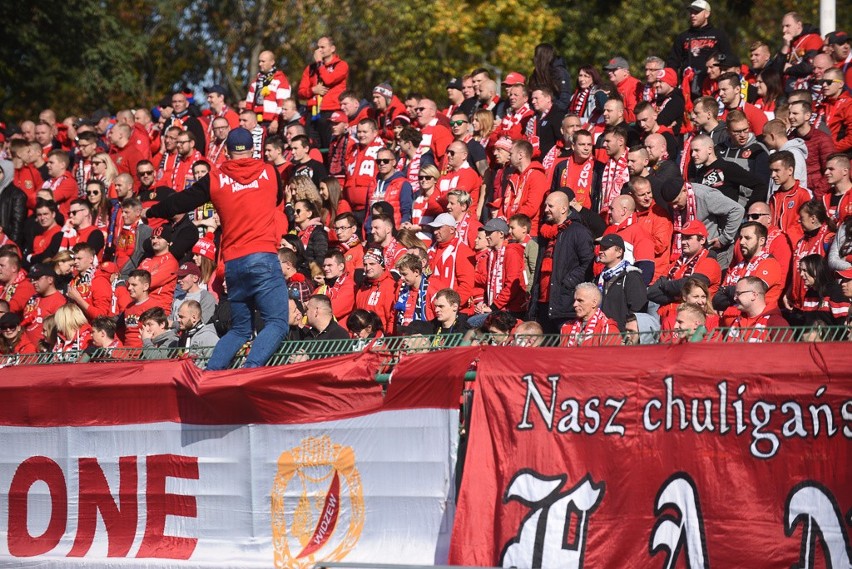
pixel 396 347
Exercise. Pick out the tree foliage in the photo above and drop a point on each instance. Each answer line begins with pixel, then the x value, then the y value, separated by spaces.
pixel 79 56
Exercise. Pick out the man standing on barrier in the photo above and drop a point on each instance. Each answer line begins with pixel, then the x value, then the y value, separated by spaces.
pixel 244 194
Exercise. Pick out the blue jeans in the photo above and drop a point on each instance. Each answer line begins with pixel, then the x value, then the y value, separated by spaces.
pixel 254 281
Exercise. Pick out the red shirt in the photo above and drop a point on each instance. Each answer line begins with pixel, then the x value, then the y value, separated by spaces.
pixel 332 75
pixel 525 193
pixel 767 318
pixel 163 269
pixel 437 137
pixel 17 292
pixel 466 179
pixel 630 90
pixel 378 297
pixel 64 190
pixel 134 310
pixel 657 224
pixel 37 309
pixel 342 296
pixel 42 242
pixel 361 174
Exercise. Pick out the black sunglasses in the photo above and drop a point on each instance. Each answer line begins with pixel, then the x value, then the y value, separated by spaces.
pixel 384 160
pixel 425 177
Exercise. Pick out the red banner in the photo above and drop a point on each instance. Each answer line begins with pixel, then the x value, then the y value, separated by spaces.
pixel 691 456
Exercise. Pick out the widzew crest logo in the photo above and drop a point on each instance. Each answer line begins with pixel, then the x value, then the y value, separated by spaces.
pixel 317 504
pixel 544 538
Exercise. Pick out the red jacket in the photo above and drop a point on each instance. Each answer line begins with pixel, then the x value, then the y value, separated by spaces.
pixel 378 297
pixel 525 194
pixel 466 179
pixel 452 267
pixel 505 286
pixel 838 114
pixel 778 245
pixel 437 137
pixel 657 224
pixel 332 75
pixel 268 106
pixel 37 309
pixel 17 292
pixel 842 210
pixel 126 159
pixel 361 174
pixel 97 293
pixel 631 93
pixel 820 147
pixel 342 296
pixel 64 190
pixel 785 210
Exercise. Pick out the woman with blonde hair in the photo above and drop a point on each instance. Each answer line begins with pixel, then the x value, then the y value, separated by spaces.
pixel 103 169
pixel 73 332
pixel 420 212
pixel 303 188
pixel 63 264
pixel 483 127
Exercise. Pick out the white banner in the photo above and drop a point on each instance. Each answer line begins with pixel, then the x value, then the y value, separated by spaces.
pixel 376 488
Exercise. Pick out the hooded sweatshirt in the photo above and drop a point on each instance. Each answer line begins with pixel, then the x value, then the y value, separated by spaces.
pixel 797 147
pixel 244 193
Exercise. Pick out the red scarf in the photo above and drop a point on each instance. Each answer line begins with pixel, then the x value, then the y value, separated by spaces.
pixel 391 252
pixel 7 291
pixel 615 175
pixel 579 177
pixel 580 100
pixel 305 234
pixel 581 332
pixel 684 267
pixel 463 227
pixel 684 215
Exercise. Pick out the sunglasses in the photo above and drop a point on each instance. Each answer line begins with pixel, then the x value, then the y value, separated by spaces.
pixel 99 162
pixel 756 216
pixel 457 123
pixel 6 328
pixel 826 82
pixel 93 193
pixel 384 160
pixel 76 211
pixel 425 177
pixel 419 109
pixel 451 152
pixel 148 173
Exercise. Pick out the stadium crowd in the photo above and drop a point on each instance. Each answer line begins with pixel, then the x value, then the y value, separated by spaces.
pixel 705 194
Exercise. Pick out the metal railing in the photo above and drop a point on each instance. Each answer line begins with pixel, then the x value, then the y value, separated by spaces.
pixel 393 348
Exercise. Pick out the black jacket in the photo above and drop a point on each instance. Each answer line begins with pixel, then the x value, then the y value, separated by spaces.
pixel 623 294
pixel 572 263
pixel 693 47
pixel 13 205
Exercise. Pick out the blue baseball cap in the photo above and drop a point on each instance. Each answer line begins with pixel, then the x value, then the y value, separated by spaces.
pixel 239 140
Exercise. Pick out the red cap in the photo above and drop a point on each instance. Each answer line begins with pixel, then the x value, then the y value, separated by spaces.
pixel 108 267
pixel 514 78
pixel 845 274
pixel 668 76
pixel 694 227
pixel 338 116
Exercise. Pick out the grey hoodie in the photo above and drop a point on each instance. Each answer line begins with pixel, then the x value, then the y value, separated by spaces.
pixel 796 146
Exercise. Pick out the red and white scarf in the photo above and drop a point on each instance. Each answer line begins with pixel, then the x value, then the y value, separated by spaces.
pixel 497 267
pixel 615 175
pixel 513 196
pixel 391 252
pixel 463 227
pixel 510 121
pixel 685 214
pixel 579 100
pixel 7 291
pixel 305 234
pixel 580 332
pixel 744 269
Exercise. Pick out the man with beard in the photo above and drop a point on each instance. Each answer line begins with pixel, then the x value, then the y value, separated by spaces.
pixel 743 148
pixel 377 292
pixel 579 170
pixel 219 129
pixel 819 145
pixel 756 262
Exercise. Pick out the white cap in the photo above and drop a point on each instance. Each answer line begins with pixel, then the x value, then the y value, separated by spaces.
pixel 700 5
pixel 442 220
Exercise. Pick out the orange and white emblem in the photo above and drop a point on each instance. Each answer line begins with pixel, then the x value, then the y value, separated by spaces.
pixel 317 504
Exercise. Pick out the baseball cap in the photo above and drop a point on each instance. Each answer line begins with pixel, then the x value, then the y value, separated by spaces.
pixel 497 224
pixel 239 140
pixel 108 267
pixel 514 78
pixel 42 270
pixel 611 240
pixel 616 63
pixel 338 117
pixel 836 38
pixel 845 274
pixel 455 83
pixel 163 232
pixel 188 268
pixel 694 227
pixel 10 320
pixel 699 6
pixel 442 220
pixel 215 89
